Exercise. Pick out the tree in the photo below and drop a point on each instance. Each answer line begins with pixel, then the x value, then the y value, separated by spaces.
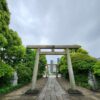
pixel 6 72
pixel 24 73
pixel 80 50
pixel 62 66
pixel 29 58
pixel 82 62
pixel 11 49
pixel 4 15
pixel 3 41
pixel 96 68
pixel 13 55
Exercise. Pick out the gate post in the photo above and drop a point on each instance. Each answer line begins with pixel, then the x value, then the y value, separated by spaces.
pixel 56 71
pixel 35 71
pixel 70 71
pixel 46 71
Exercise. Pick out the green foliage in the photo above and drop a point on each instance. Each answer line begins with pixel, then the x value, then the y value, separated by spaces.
pixel 82 80
pixel 9 88
pixel 24 73
pixel 82 51
pixel 63 68
pixel 11 50
pixel 25 68
pixel 96 68
pixel 42 64
pixel 5 70
pixel 12 38
pixel 82 62
pixel 4 19
pixel 16 51
pixel 10 43
pixel 63 64
pixel 3 5
pixel 6 89
pixel 29 58
pixel 4 15
pixel 14 56
pixel 3 41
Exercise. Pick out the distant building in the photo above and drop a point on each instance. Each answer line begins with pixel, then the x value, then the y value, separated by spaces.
pixel 51 66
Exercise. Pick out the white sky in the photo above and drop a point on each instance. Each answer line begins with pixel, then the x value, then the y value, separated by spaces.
pixel 57 22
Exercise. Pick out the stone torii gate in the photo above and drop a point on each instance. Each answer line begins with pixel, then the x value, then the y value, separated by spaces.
pixel 53 52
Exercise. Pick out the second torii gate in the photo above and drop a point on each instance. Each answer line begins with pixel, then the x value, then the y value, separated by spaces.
pixel 50 66
pixel 53 52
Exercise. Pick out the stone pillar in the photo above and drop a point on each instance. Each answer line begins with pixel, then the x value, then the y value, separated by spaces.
pixel 92 81
pixel 70 70
pixel 35 71
pixel 56 71
pixel 46 71
pixel 57 67
pixel 14 81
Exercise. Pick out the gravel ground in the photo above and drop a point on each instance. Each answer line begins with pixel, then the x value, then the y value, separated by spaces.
pixel 18 94
pixel 87 94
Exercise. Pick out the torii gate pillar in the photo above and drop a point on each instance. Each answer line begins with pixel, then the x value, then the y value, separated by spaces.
pixel 35 71
pixel 70 70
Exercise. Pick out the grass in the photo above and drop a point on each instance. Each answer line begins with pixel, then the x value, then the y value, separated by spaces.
pixel 9 88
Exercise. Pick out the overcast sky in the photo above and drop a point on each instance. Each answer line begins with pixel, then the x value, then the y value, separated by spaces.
pixel 57 22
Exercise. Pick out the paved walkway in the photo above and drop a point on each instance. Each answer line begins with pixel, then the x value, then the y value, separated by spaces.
pixel 18 94
pixel 87 94
pixel 53 91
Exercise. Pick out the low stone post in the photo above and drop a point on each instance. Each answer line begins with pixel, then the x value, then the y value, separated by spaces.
pixel 92 81
pixel 35 71
pixel 70 70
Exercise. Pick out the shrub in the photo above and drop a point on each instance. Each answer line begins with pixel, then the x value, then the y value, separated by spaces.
pixel 82 62
pixel 24 73
pixel 96 68
pixel 6 72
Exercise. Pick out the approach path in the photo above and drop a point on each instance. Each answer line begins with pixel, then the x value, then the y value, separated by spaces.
pixel 53 91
